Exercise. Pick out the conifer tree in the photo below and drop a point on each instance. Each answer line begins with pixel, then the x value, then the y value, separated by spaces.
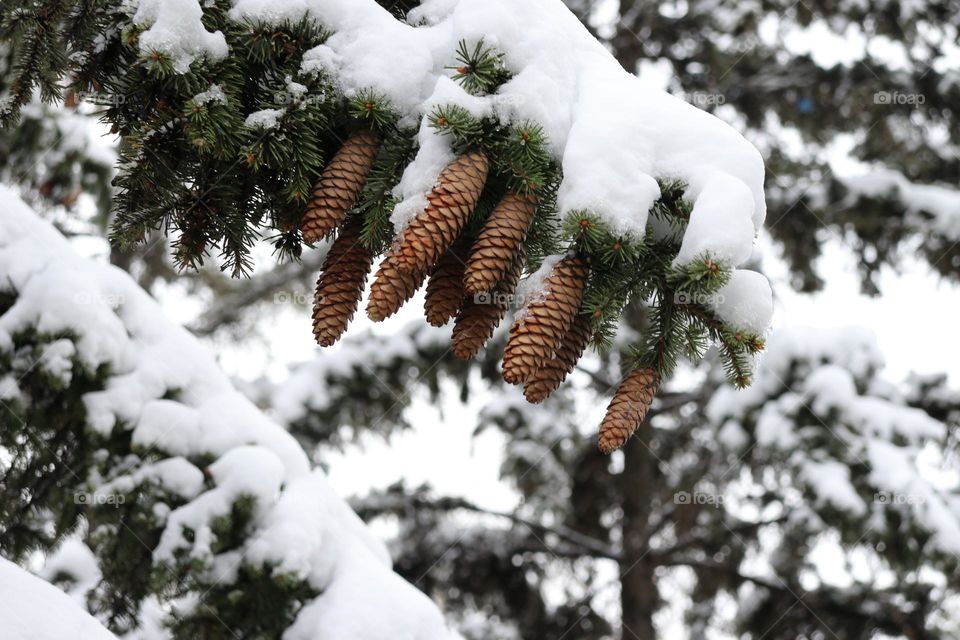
pixel 202 518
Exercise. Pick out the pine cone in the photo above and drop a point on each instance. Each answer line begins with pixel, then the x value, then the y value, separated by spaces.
pixel 391 288
pixel 339 186
pixel 553 372
pixel 449 205
pixel 499 239
pixel 538 332
pixel 445 287
pixel 481 313
pixel 340 284
pixel 628 408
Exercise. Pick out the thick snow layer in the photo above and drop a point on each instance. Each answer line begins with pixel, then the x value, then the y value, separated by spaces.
pixel 613 136
pixel 73 561
pixel 745 302
pixel 31 609
pixel 942 203
pixel 174 28
pixel 168 389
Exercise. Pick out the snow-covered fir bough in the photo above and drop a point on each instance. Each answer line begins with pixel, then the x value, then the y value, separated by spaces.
pixel 465 141
pixel 169 505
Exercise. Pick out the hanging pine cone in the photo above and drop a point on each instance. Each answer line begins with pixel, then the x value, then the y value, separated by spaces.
pixel 449 205
pixel 499 239
pixel 482 312
pixel 538 333
pixel 553 372
pixel 628 408
pixel 445 286
pixel 391 288
pixel 339 186
pixel 340 284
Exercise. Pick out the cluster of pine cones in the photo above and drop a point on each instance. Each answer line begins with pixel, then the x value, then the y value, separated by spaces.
pixel 472 282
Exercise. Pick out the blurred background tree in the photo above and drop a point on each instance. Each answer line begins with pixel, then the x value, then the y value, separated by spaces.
pixel 780 514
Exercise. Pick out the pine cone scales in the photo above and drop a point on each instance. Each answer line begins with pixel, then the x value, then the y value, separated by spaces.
pixel 538 333
pixel 449 206
pixel 391 288
pixel 340 284
pixel 481 313
pixel 628 408
pixel 445 287
pixel 553 372
pixel 501 237
pixel 339 186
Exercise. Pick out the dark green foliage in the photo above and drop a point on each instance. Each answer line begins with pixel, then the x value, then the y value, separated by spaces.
pixel 480 70
pixel 227 152
pixel 49 450
pixel 227 611
pixel 53 459
pixel 898 114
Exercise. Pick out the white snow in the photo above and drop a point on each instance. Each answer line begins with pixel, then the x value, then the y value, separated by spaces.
pixel 171 394
pixel 858 420
pixel 31 609
pixel 73 559
pixel 174 28
pixel 745 302
pixel 264 119
pixel 213 94
pixel 942 202
pixel 612 135
pixel 309 383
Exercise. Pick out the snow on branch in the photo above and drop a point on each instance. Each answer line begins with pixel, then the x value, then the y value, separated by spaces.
pixel 853 441
pixel 170 448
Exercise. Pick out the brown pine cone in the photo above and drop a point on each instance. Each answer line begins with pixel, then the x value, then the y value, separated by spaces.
pixel 499 239
pixel 628 408
pixel 391 288
pixel 553 372
pixel 538 332
pixel 482 312
pixel 445 286
pixel 340 284
pixel 449 205
pixel 339 186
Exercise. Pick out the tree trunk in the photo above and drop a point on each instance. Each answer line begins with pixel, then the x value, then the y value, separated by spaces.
pixel 638 590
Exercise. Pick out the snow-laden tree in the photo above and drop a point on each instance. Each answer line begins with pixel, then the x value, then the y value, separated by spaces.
pixel 496 572
pixel 851 104
pixel 202 517
pixel 822 502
